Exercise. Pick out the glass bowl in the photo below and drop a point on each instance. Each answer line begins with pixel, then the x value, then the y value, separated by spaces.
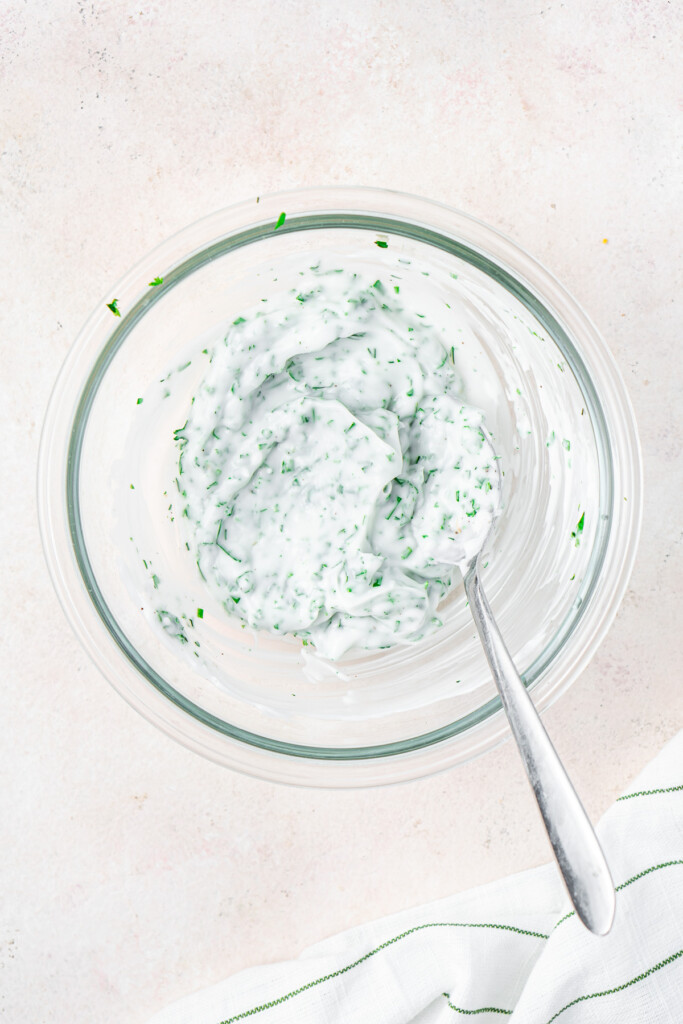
pixel 555 569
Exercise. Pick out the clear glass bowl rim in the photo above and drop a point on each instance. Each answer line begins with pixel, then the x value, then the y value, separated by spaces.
pixel 381 210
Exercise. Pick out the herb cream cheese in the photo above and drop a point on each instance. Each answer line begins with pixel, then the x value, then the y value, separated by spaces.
pixel 331 474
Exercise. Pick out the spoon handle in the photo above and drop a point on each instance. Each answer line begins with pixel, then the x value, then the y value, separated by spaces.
pixel 571 834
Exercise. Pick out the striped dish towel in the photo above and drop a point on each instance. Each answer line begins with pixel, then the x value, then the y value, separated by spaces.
pixel 510 951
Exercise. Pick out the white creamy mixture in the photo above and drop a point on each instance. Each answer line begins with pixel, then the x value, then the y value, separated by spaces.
pixel 331 476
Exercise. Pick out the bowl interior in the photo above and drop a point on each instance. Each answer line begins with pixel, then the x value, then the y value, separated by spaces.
pixel 518 363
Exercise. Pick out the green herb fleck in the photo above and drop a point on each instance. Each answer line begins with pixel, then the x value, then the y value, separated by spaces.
pixel 576 534
pixel 226 552
pixel 566 444
pixel 475 509
pixel 156 282
pixel 382 245
pixel 280 220
pixel 114 307
pixel 399 499
pixel 139 401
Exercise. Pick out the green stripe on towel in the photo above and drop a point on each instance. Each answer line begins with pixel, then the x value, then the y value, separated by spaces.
pixel 618 888
pixel 649 792
pixel 373 952
pixel 618 988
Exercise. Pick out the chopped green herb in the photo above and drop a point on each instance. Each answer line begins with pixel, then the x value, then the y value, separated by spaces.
pixel 156 282
pixel 280 221
pixel 576 534
pixel 226 552
pixel 114 307
pixel 139 401
pixel 382 245
pixel 399 499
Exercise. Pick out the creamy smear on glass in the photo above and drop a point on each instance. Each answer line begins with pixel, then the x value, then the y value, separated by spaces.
pixel 331 475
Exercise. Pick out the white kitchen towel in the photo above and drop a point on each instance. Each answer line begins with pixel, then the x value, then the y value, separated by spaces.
pixel 507 951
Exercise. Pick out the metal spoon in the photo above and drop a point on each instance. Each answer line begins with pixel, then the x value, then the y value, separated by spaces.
pixel 571 834
pixel 575 844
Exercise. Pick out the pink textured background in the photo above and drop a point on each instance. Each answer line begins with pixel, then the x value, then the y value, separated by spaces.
pixel 132 871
